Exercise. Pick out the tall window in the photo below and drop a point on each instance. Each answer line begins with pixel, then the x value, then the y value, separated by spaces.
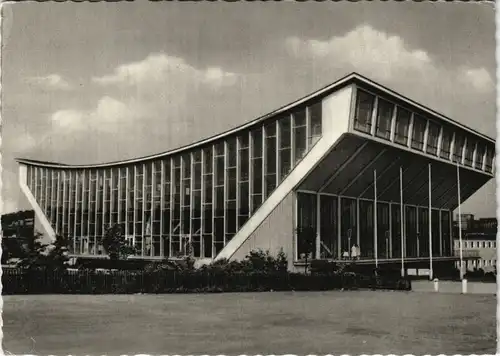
pixel 445 143
pixel 417 141
pixel 363 114
pixel 489 159
pixel 469 151
pixel 219 197
pixel 299 133
pixel 385 110
pixel 243 152
pixel 231 187
pixel 402 125
pixel 315 123
pixel 207 223
pixel 256 160
pixel 458 148
pixel 479 156
pixel 433 138
pixel 285 147
pixel 270 158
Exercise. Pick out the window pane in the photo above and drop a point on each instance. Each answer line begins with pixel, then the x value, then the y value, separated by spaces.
pixel 479 156
pixel 384 118
pixel 432 138
pixel 445 143
pixel 363 113
pixel 419 124
pixel 458 148
pixel 469 151
pixel 315 123
pixel 402 125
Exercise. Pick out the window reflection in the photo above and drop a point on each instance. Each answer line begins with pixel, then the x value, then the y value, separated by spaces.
pixel 364 107
pixel 385 110
pixel 445 143
pixel 402 125
pixel 417 141
pixel 433 138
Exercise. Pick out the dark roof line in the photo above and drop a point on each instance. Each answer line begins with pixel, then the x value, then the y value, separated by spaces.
pixel 326 90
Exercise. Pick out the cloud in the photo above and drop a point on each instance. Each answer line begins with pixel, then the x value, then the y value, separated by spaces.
pixel 51 81
pixel 164 69
pixel 384 56
pixel 366 48
pixel 480 78
pixel 107 114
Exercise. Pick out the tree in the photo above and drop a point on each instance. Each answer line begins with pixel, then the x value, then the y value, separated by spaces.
pixel 52 255
pixel 115 245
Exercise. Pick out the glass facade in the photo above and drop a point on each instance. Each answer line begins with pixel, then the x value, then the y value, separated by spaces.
pixel 191 202
pixel 383 239
pixel 443 141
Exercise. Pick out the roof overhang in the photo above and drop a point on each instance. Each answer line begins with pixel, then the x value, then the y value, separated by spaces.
pixel 351 166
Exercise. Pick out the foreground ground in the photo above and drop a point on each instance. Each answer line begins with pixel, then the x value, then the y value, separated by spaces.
pixel 255 323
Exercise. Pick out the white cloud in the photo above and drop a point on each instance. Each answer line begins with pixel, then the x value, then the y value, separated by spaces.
pixel 164 69
pixel 480 78
pixel 364 48
pixel 384 57
pixel 51 81
pixel 104 117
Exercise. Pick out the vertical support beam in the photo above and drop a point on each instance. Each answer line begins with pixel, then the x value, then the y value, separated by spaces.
pixel 65 188
pixel 202 198
pixel 127 200
pixel 144 223
pixel 238 178
pixel 460 225
pixel 410 130
pixel 390 231
pixel 181 204
pixel 339 227
pixel 308 125
pixel 295 226
pixel 431 271
pixel 191 199
pixel 133 204
pixel 172 205
pixel 318 226
pixel 440 140
pixel 224 202
pixel 418 231
pixel 374 117
pixel 462 158
pixel 375 222
pixel 440 233
pixel 402 227
pixel 213 199
pixel 393 123
pixel 358 225
pixel 152 214
pixel 250 173
pixel 162 204
pixel 277 148
pixel 426 136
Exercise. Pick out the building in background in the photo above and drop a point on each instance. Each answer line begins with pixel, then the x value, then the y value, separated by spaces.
pixel 479 241
pixel 353 163
pixel 18 230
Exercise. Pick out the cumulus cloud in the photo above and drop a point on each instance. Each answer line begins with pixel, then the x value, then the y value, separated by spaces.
pixel 51 81
pixel 104 117
pixel 385 56
pixel 480 78
pixel 164 69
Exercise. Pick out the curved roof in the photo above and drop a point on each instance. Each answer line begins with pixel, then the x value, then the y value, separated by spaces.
pixel 349 79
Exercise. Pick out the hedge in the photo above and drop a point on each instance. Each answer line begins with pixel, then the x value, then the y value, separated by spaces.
pixel 40 281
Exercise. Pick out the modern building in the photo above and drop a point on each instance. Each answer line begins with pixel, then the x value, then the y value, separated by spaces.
pixel 478 243
pixel 352 163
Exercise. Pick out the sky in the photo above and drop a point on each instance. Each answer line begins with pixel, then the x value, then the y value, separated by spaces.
pixel 98 82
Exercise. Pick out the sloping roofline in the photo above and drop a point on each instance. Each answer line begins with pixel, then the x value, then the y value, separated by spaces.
pixel 349 79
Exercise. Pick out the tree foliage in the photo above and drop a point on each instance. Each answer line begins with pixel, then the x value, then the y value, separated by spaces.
pixel 115 245
pixel 53 256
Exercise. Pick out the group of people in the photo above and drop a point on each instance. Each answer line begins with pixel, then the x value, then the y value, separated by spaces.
pixel 354 254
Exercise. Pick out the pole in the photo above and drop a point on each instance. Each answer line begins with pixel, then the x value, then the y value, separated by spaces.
pixel 401 220
pixel 460 226
pixel 431 271
pixel 375 217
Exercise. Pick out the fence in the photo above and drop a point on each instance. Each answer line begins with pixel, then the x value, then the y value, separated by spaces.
pixel 21 281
